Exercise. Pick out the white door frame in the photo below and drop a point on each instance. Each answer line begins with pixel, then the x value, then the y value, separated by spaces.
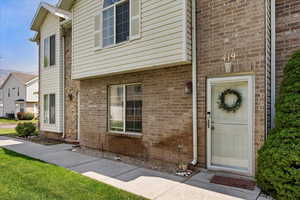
pixel 251 111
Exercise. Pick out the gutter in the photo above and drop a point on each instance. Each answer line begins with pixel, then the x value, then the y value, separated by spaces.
pixel 194 77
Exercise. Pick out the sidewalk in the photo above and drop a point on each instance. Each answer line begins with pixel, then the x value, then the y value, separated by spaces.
pixel 148 183
pixel 7 126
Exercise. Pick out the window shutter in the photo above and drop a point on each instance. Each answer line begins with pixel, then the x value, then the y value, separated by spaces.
pixel 135 17
pixel 52 50
pixel 97 31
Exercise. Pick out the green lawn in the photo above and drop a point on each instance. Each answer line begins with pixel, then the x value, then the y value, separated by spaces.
pixel 7 131
pixel 12 121
pixel 23 178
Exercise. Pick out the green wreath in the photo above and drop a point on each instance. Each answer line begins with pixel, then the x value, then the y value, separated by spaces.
pixel 230 108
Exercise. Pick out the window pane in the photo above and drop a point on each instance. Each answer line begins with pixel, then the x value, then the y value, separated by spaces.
pixel 46 52
pixel 116 108
pixel 52 108
pixel 46 106
pixel 109 2
pixel 122 22
pixel 108 27
pixel 22 108
pixel 52 50
pixel 134 108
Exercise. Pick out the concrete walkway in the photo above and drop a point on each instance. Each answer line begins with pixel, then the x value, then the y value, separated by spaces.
pixel 7 126
pixel 147 183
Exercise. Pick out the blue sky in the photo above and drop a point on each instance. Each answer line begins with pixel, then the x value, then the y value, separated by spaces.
pixel 16 51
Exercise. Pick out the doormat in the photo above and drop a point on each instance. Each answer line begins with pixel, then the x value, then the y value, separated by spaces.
pixel 234 182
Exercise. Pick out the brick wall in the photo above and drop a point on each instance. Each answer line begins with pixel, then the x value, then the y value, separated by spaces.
pixel 71 89
pixel 225 28
pixel 167 115
pixel 287 33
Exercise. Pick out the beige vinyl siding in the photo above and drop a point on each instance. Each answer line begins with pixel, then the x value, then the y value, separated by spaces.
pixel 51 76
pixel 164 40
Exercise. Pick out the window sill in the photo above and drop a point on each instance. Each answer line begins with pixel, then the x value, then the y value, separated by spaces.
pixel 131 135
pixel 49 67
pixel 116 45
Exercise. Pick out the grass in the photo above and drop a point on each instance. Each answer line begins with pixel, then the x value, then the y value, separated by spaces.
pixel 26 178
pixel 7 131
pixel 13 121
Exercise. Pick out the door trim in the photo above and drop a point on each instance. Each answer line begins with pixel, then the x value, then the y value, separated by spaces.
pixel 251 114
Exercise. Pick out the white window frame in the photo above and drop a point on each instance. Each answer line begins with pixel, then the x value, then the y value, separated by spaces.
pixel 49 51
pixel 131 38
pixel 48 114
pixel 48 108
pixel 124 111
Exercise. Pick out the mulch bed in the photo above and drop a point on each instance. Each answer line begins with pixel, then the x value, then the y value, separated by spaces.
pixel 234 182
pixel 38 139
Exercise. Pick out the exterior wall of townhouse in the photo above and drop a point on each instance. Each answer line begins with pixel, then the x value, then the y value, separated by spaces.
pixel 51 77
pixel 166 115
pixel 165 39
pixel 71 89
pixel 225 28
pixel 287 34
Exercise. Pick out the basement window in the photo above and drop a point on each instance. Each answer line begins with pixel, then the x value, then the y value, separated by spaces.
pixel 125 108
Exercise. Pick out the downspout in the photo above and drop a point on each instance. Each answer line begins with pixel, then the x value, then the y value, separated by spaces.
pixel 63 81
pixel 194 77
pixel 273 61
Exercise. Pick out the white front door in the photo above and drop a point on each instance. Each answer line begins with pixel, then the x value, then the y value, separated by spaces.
pixel 230 132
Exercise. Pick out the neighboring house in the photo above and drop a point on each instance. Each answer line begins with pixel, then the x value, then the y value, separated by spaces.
pixel 133 77
pixel 1 104
pixel 19 94
pixel 32 97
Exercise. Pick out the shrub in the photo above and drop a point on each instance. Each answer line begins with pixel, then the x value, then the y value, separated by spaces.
pixel 288 101
pixel 25 116
pixel 278 171
pixel 20 115
pixel 25 129
pixel 28 116
pixel 278 167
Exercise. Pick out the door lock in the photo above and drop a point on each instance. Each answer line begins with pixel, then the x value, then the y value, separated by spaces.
pixel 208 119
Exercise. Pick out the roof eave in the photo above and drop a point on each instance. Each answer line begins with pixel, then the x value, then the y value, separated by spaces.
pixel 65 4
pixel 34 24
pixel 42 12
pixel 32 80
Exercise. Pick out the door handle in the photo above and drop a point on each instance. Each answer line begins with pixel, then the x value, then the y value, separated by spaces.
pixel 208 119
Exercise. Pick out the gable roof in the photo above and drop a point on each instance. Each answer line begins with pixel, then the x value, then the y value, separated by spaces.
pixel 22 77
pixel 43 10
